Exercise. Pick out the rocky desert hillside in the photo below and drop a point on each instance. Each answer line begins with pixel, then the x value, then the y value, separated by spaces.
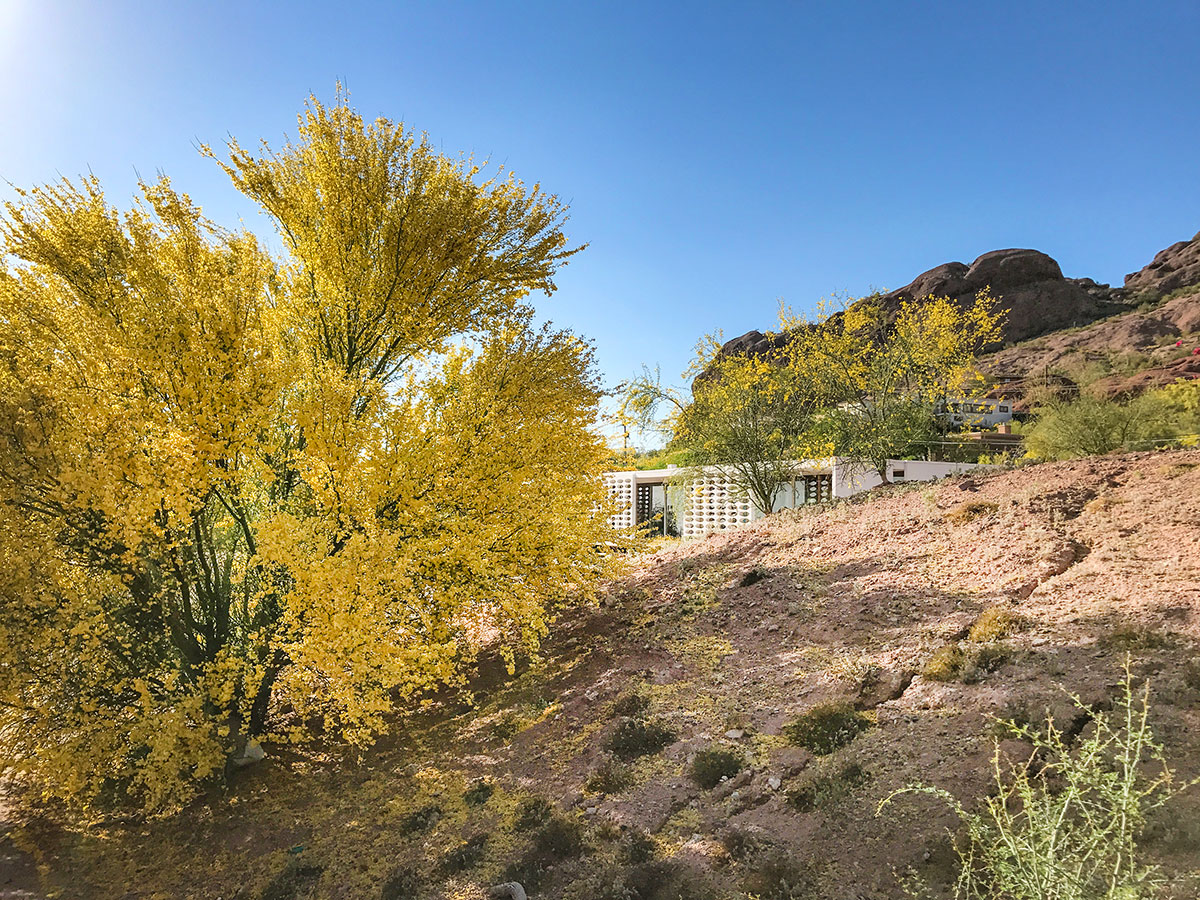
pixel 1125 339
pixel 654 753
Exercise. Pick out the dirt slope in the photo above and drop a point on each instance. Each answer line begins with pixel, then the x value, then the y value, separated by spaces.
pixel 1098 558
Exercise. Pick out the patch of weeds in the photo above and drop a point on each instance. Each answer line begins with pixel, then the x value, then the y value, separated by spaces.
pixel 827 726
pixel 972 509
pixel 754 576
pixel 945 664
pixel 507 725
pixel 741 843
pixel 994 623
pixel 610 777
pixel 657 880
pixel 633 738
pixel 821 790
pixel 630 705
pixel 479 793
pixel 465 856
pixel 777 875
pixel 557 840
pixel 1135 637
pixel 713 764
pixel 403 883
pixel 984 660
pixel 297 881
pixel 531 812
pixel 636 848
pixel 420 820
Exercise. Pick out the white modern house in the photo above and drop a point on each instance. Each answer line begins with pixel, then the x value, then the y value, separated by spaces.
pixel 982 412
pixel 711 500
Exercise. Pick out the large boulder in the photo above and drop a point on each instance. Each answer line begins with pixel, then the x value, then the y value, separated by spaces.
pixel 1028 284
pixel 1176 267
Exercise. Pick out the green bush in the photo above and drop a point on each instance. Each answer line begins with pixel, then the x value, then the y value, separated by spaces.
pixel 827 726
pixel 630 705
pixel 610 777
pixel 712 764
pixel 479 793
pixel 1069 827
pixel 633 738
pixel 825 789
pixel 1093 425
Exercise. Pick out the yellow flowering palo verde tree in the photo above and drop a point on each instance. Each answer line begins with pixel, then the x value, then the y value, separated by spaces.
pixel 883 380
pixel 248 497
pixel 747 415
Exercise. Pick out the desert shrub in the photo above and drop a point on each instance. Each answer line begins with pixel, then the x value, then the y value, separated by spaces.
pixel 421 819
pixel 1134 637
pixel 945 664
pixel 403 883
pixel 633 738
pixel 531 812
pixel 993 623
pixel 827 726
pixel 464 856
pixel 637 847
pixel 972 509
pixel 630 705
pixel 821 790
pixel 558 839
pixel 777 875
pixel 712 764
pixel 479 793
pixel 654 880
pixel 1070 827
pixel 1093 425
pixel 610 777
pixel 741 843
pixel 979 661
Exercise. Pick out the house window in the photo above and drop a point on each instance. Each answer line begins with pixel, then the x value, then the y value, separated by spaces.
pixel 898 473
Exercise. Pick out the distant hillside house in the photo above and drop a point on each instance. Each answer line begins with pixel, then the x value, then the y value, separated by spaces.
pixel 711 501
pixel 984 412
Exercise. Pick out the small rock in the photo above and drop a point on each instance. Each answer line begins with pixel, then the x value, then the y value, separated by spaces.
pixel 774 783
pixel 735 795
pixel 735 734
pixel 590 811
pixel 773 627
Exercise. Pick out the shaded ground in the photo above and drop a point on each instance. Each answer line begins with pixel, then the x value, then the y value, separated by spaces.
pixel 1098 558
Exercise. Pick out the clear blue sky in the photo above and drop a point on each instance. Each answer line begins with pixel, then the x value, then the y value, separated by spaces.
pixel 717 157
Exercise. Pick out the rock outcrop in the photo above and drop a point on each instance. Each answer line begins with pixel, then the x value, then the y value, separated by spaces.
pixel 1176 267
pixel 1029 285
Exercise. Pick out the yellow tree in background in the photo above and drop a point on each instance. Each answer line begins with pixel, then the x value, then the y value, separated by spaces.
pixel 883 379
pixel 240 496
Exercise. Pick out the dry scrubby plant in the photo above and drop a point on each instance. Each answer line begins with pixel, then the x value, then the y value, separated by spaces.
pixel 827 726
pixel 1067 827
pixel 633 738
pixel 712 764
pixel 993 623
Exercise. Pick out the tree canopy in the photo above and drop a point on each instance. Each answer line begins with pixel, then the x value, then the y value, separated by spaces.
pixel 242 496
pixel 857 383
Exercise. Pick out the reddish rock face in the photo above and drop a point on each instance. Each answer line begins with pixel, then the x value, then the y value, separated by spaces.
pixel 1029 285
pixel 1159 376
pixel 1176 267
